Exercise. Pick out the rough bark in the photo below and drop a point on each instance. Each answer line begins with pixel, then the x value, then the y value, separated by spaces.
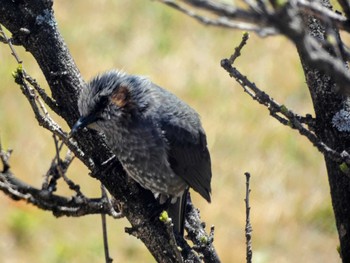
pixel 328 101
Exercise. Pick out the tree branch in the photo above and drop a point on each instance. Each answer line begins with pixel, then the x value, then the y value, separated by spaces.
pixel 222 21
pixel 203 243
pixel 279 111
pixel 33 26
pixel 248 226
pixel 58 205
pixel 285 19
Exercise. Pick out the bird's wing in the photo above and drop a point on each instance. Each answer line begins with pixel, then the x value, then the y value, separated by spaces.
pixel 189 157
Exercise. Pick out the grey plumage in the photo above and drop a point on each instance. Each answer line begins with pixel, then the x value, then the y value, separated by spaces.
pixel 157 137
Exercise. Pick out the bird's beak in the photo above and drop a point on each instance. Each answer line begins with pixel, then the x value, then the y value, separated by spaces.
pixel 81 123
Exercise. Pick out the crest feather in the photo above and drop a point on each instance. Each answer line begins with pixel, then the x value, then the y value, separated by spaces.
pixel 121 97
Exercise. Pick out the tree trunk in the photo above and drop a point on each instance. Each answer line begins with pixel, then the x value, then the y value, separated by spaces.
pixel 327 103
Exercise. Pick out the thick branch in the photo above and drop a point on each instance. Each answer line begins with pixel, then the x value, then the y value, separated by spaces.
pixel 196 232
pixel 33 25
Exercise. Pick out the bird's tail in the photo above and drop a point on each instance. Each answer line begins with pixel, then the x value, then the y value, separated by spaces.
pixel 177 212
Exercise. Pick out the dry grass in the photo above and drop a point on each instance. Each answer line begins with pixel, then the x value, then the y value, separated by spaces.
pixel 291 208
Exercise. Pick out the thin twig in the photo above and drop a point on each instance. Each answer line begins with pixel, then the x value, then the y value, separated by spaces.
pixel 58 205
pixel 233 12
pixel 286 20
pixel 3 40
pixel 8 41
pixel 238 49
pixel 4 157
pixel 49 101
pixel 287 117
pixel 22 78
pixel 169 227
pixel 248 226
pixel 281 112
pixel 203 243
pixel 45 120
pixel 46 98
pixel 222 21
pixel 115 212
pixel 62 170
pixel 108 259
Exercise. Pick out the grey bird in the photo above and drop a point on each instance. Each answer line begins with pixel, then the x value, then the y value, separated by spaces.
pixel 158 138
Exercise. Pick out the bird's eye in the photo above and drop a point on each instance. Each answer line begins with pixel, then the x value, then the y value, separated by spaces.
pixel 101 103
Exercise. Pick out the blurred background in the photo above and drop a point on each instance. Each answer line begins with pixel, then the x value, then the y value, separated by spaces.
pixel 291 210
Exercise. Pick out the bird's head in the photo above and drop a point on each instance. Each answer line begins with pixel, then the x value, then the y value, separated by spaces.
pixel 108 97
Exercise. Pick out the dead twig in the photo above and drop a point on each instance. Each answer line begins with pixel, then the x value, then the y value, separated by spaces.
pixel 248 226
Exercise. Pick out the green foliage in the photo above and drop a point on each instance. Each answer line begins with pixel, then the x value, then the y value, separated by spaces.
pixel 17 73
pixel 344 168
pixel 203 239
pixel 280 3
pixel 284 109
pixel 164 217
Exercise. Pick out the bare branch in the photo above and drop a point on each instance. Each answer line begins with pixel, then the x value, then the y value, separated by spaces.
pixel 238 49
pixel 257 11
pixel 203 243
pixel 286 20
pixel 4 157
pixel 169 227
pixel 280 111
pixel 7 40
pixel 43 199
pixel 222 21
pixel 58 205
pixel 62 168
pixel 43 118
pixel 221 9
pixel 46 98
pixel 324 14
pixel 248 226
pixel 108 259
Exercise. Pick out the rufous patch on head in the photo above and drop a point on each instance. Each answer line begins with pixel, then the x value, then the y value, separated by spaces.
pixel 121 97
